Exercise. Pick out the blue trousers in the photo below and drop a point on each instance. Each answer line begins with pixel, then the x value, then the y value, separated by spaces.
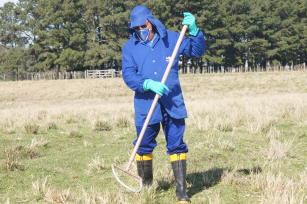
pixel 173 130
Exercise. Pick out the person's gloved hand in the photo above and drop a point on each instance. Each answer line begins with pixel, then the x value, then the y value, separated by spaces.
pixel 190 20
pixel 155 86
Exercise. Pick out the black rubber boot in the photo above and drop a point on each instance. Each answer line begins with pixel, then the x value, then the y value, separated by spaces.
pixel 180 169
pixel 145 171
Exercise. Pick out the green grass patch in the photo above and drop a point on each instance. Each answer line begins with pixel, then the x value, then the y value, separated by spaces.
pixel 250 158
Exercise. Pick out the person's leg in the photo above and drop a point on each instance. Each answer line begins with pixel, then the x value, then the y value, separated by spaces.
pixel 174 131
pixel 179 166
pixel 144 168
pixel 177 149
pixel 144 153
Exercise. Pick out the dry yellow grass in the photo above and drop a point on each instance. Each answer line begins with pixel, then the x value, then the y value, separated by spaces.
pixel 97 164
pixel 226 112
pixel 277 188
pixel 214 102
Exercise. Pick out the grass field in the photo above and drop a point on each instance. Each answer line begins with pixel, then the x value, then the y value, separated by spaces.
pixel 247 136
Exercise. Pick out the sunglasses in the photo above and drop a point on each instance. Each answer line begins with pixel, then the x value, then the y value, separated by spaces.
pixel 141 27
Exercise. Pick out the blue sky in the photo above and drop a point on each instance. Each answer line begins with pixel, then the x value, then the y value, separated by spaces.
pixel 4 1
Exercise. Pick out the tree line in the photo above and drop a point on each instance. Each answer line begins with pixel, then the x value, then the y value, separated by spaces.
pixel 72 35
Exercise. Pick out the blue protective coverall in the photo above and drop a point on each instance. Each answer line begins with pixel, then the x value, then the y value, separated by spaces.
pixel 141 61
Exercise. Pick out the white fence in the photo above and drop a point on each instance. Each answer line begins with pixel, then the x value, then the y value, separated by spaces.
pixel 109 73
pixel 13 76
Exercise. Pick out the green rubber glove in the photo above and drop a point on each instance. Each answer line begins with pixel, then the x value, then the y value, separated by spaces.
pixel 190 20
pixel 155 86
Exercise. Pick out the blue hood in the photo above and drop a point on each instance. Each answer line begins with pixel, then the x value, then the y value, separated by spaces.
pixel 138 17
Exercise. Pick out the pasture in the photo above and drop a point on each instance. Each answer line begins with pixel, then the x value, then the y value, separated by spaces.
pixel 246 133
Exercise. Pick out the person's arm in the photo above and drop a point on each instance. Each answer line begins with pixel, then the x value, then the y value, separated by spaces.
pixel 195 45
pixel 136 81
pixel 132 78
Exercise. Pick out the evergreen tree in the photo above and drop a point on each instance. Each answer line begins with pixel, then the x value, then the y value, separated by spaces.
pixel 10 29
pixel 38 35
pixel 58 32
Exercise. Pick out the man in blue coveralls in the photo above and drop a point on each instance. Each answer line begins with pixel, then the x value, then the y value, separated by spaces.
pixel 145 58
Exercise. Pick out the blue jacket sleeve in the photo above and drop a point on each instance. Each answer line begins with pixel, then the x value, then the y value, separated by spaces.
pixel 194 46
pixel 132 78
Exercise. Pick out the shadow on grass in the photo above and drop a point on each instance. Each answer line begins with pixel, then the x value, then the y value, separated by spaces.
pixel 199 180
pixel 206 179
pixel 164 185
pixel 202 180
pixel 255 170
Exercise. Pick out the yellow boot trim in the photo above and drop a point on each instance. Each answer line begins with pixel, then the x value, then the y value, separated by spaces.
pixel 176 157
pixel 144 157
pixel 183 202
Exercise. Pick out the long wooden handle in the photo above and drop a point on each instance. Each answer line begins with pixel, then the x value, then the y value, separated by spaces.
pixel 155 101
